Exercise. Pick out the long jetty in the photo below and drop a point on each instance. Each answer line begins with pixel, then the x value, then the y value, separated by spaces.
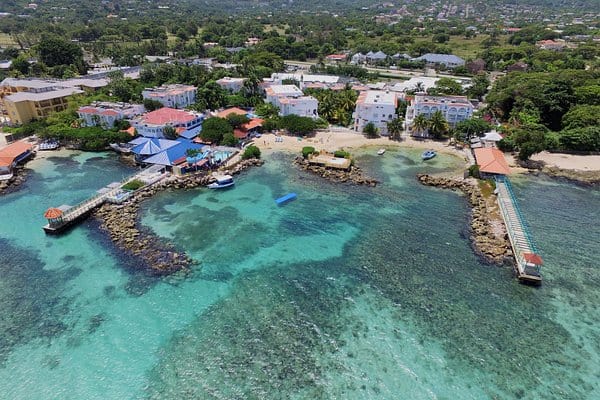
pixel 527 261
pixel 74 214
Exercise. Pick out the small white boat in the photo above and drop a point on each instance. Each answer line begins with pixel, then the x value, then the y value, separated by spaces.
pixel 428 155
pixel 222 182
pixel 380 152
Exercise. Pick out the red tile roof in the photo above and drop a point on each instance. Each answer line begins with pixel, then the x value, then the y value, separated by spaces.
pixel 109 112
pixel 491 161
pixel 167 115
pixel 87 110
pixel 253 123
pixel 12 151
pixel 233 110
pixel 240 133
pixel 533 258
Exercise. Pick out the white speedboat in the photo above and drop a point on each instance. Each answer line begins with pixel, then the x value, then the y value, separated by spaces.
pixel 380 152
pixel 49 145
pixel 222 182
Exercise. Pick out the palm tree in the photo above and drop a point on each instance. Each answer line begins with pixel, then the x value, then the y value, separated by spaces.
pixel 419 87
pixel 371 131
pixel 420 124
pixel 438 126
pixel 394 128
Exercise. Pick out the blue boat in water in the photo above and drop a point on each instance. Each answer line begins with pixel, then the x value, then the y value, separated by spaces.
pixel 428 155
pixel 286 198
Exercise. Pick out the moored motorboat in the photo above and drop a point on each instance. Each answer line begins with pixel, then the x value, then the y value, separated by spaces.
pixel 428 155
pixel 222 182
pixel 380 152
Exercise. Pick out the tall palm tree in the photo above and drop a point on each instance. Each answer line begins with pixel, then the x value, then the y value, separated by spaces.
pixel 394 128
pixel 420 124
pixel 438 126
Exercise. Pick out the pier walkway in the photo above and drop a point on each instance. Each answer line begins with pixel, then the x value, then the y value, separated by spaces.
pixel 528 262
pixel 65 216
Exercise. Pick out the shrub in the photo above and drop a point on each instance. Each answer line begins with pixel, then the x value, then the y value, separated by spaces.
pixel 251 152
pixel 474 171
pixel 341 154
pixel 133 185
pixel 308 150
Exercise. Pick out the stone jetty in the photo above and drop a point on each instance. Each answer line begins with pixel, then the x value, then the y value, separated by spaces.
pixel 488 233
pixel 353 175
pixel 12 184
pixel 122 224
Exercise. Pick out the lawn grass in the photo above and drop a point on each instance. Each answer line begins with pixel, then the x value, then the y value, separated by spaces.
pixel 7 40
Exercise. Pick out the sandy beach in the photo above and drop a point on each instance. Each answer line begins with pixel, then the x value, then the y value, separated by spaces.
pixel 569 161
pixel 347 139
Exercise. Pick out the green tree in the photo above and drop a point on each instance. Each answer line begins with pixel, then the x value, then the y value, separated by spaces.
pixel 371 131
pixel 151 105
pixel 229 140
pixel 470 128
pixel 169 132
pixel 251 152
pixel 267 110
pixel 438 126
pixel 420 124
pixel 529 139
pixel 21 64
pixel 297 125
pixel 581 116
pixel 395 128
pixel 446 86
pixel 214 129
pixel 55 51
pixel 237 120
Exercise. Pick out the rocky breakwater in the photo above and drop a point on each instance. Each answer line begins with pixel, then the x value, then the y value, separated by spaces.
pixel 12 184
pixel 353 175
pixel 488 234
pixel 121 222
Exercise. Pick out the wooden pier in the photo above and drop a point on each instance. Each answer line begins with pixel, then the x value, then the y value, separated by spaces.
pixel 527 261
pixel 63 217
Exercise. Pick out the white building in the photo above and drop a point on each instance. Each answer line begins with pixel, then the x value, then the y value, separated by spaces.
pixel 105 114
pixel 454 109
pixel 291 100
pixel 376 106
pixel 175 96
pixel 448 60
pixel 154 123
pixel 232 85
pixel 303 79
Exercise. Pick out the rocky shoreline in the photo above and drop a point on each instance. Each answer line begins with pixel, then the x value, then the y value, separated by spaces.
pixel 12 185
pixel 492 245
pixel 122 224
pixel 354 175
pixel 582 177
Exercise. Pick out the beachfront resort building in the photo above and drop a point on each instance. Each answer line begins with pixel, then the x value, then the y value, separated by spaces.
pixel 290 100
pixel 153 124
pixel 12 155
pixel 302 80
pixel 454 108
pixel 232 85
pixel 105 114
pixel 23 100
pixel 175 96
pixel 376 106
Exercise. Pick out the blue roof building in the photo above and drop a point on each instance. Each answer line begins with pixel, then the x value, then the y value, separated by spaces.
pixel 144 146
pixel 448 60
pixel 174 155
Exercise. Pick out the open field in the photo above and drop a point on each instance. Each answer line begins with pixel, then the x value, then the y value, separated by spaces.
pixel 6 40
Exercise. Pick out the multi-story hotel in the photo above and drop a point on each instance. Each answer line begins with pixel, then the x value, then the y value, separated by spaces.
pixel 105 114
pixel 454 109
pixel 376 106
pixel 290 100
pixel 174 96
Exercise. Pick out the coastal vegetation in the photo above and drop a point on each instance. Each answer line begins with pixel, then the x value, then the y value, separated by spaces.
pixel 307 151
pixel 133 185
pixel 251 152
pixel 371 131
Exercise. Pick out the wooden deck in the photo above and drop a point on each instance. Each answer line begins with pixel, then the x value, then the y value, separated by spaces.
pixel 329 161
pixel 518 233
pixel 78 212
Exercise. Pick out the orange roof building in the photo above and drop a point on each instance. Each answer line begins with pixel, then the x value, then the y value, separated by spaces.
pixel 491 161
pixel 12 154
pixel 232 110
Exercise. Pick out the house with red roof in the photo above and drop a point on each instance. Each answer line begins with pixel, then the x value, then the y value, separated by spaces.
pixel 233 110
pixel 491 161
pixel 248 129
pixel 153 124
pixel 105 114
pixel 11 155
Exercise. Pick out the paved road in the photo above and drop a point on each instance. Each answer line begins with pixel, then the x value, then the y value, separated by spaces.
pixel 391 73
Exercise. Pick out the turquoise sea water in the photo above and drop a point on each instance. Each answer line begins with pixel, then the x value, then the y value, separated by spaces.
pixel 345 293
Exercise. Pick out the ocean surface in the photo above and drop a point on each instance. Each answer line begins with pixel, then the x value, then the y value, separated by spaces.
pixel 346 293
